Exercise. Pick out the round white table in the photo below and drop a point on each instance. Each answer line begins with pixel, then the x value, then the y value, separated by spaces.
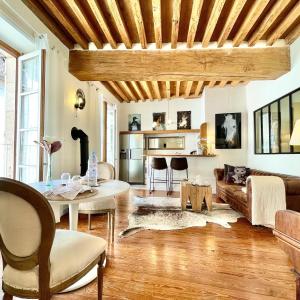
pixel 107 190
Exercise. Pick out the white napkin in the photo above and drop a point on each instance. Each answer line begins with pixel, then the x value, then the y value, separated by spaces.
pixel 69 191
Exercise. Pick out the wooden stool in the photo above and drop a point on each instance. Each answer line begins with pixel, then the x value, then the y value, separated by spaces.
pixel 196 194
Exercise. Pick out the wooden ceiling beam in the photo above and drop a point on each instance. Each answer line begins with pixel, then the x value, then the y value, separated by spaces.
pixel 177 88
pixel 145 86
pixel 49 22
pixel 95 8
pixel 118 90
pixel 292 36
pixel 68 25
pixel 233 15
pixel 242 64
pixel 175 23
pixel 211 83
pixel 198 88
pixel 188 88
pixel 292 16
pixel 84 23
pixel 137 90
pixel 254 13
pixel 212 21
pixel 269 19
pixel 111 90
pixel 168 89
pixel 139 23
pixel 223 83
pixel 115 12
pixel 194 21
pixel 235 83
pixel 127 90
pixel 156 89
pixel 156 10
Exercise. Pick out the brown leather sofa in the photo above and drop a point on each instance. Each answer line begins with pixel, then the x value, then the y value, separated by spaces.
pixel 240 201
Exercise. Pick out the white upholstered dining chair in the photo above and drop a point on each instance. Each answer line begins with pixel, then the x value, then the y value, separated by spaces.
pixel 39 261
pixel 106 171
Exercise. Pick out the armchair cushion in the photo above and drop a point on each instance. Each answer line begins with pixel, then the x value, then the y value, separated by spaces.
pixel 72 252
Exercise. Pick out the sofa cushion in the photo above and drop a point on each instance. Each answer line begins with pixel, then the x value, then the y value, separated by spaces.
pixel 236 175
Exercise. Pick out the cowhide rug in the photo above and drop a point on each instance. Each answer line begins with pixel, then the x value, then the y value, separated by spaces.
pixel 164 213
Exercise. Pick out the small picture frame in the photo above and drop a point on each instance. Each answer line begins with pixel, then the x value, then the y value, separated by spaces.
pixel 134 122
pixel 184 119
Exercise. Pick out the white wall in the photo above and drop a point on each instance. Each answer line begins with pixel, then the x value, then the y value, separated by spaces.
pixel 260 93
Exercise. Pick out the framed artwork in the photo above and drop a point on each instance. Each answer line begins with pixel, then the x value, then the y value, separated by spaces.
pixel 159 121
pixel 134 122
pixel 228 131
pixel 184 120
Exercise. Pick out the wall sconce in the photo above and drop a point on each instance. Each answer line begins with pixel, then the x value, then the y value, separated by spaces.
pixel 80 99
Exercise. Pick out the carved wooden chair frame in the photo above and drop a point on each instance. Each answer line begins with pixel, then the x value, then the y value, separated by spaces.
pixel 41 257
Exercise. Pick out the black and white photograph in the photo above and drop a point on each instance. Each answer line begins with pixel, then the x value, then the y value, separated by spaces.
pixel 159 121
pixel 184 120
pixel 228 131
pixel 134 122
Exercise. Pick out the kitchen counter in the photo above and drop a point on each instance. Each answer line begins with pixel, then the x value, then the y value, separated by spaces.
pixel 178 155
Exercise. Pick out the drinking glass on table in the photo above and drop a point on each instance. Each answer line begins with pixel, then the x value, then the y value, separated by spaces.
pixel 76 179
pixel 65 178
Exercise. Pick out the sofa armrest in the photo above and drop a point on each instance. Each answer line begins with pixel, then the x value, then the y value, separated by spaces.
pixel 288 223
pixel 219 174
pixel 292 187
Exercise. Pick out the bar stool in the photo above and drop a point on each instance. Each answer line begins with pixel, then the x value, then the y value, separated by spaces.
pixel 178 164
pixel 158 163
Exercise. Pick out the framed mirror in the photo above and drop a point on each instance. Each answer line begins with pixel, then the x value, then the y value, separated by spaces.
pixel 166 143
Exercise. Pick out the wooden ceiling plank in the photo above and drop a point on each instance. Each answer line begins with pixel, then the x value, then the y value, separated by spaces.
pixel 84 23
pixel 118 90
pixel 233 15
pixel 156 89
pixel 292 36
pixel 111 90
pixel 95 8
pixel 175 23
pixel 194 21
pixel 49 22
pixel 138 18
pixel 62 19
pixel 168 89
pixel 145 86
pixel 249 21
pixel 292 16
pixel 188 88
pixel 212 21
pixel 212 83
pixel 114 9
pixel 127 90
pixel 177 88
pixel 235 82
pixel 223 83
pixel 137 90
pixel 156 9
pixel 273 14
pixel 199 88
pixel 242 64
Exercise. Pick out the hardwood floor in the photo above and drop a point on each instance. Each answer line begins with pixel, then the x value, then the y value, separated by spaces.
pixel 211 262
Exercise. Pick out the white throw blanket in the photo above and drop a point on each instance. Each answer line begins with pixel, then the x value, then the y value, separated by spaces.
pixel 268 196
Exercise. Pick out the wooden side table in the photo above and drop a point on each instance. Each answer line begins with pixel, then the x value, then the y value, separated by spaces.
pixel 196 194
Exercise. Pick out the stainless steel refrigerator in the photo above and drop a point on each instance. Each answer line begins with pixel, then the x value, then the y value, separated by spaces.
pixel 132 161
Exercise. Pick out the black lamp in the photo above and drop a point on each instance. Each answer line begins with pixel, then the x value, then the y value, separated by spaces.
pixel 80 99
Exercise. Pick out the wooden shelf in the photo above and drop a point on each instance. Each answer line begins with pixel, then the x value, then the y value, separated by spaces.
pixel 161 131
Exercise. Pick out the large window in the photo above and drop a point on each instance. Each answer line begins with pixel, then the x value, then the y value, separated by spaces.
pixel 274 123
pixel 30 117
pixel 111 133
pixel 7 113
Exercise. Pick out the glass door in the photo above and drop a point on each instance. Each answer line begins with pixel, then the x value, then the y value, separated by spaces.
pixel 30 126
pixel 111 134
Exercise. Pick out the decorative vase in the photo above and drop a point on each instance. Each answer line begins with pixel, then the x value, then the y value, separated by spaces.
pixel 49 170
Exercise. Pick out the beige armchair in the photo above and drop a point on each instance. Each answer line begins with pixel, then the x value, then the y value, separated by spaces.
pixel 108 206
pixel 287 231
pixel 39 261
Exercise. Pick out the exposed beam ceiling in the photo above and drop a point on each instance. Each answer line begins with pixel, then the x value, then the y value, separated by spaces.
pixel 182 65
pixel 144 24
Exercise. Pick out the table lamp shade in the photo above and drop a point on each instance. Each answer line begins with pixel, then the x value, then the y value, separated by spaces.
pixel 295 138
